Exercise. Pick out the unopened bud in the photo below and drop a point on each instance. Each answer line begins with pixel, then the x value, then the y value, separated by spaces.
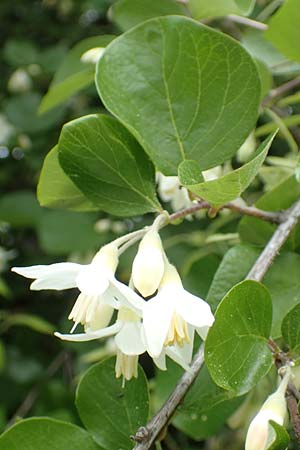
pixel 93 55
pixel 148 265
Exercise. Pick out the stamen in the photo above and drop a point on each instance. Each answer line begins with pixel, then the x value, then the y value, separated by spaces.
pixel 126 366
pixel 178 332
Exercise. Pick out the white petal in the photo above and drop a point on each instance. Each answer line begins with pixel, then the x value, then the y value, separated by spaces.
pixel 157 317
pixel 127 296
pixel 160 361
pixel 101 316
pixel 91 335
pixel 55 276
pixel 178 357
pixel 194 310
pixel 129 339
pixel 92 281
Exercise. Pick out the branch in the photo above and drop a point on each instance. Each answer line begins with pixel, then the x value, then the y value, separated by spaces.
pixel 282 89
pixel 268 216
pixel 248 22
pixel 147 435
pixel 266 258
pixel 293 409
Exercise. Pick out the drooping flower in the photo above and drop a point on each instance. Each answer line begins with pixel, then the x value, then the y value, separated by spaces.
pixel 169 317
pixel 93 280
pixel 169 190
pixel 148 264
pixel 128 336
pixel 260 434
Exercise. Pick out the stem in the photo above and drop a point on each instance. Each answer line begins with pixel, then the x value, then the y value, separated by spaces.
pixel 277 92
pixel 293 409
pixel 248 22
pixel 284 130
pixel 147 435
pixel 268 10
pixel 266 258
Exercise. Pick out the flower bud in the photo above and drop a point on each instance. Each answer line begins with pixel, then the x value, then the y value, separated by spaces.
pixel 275 409
pixel 93 55
pixel 148 265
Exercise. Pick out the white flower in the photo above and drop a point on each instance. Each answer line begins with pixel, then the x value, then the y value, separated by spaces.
pixel 148 265
pixel 260 434
pixel 127 332
pixel 170 317
pixel 170 190
pixel 93 280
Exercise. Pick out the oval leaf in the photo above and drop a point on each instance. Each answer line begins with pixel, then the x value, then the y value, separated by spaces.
pixel 185 91
pixel 217 8
pixel 46 434
pixel 230 186
pixel 290 328
pixel 107 164
pixel 112 413
pixel 55 188
pixel 236 350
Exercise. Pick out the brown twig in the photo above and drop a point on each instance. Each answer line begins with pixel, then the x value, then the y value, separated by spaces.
pixel 266 258
pixel 268 216
pixel 147 435
pixel 293 409
pixel 282 89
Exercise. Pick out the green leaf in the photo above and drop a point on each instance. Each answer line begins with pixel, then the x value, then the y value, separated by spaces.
pixel 282 437
pixel 236 349
pixel 282 280
pixel 290 328
pixel 22 111
pixel 20 52
pixel 20 209
pixel 2 356
pixel 36 323
pixel 55 188
pixel 206 407
pixel 258 232
pixel 215 8
pixel 284 30
pixel 230 186
pixel 128 13
pixel 56 239
pixel 46 434
pixel 73 74
pixel 112 413
pixel 180 88
pixel 107 164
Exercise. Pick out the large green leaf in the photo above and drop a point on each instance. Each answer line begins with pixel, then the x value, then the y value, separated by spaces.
pixel 215 8
pixel 55 188
pixel 284 30
pixel 107 164
pixel 73 75
pixel 236 349
pixel 282 280
pixel 290 327
pixel 128 13
pixel 46 434
pixel 232 185
pixel 112 413
pixel 258 232
pixel 206 407
pixel 184 90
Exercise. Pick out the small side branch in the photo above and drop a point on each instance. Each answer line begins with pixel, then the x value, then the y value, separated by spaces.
pixel 266 258
pixel 147 435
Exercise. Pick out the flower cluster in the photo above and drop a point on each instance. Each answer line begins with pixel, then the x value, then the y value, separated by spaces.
pixel 155 314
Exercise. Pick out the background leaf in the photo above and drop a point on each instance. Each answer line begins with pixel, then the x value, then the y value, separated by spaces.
pixel 215 8
pixel 188 82
pixel 107 164
pixel 230 186
pixel 128 13
pixel 290 328
pixel 73 75
pixel 284 30
pixel 236 349
pixel 282 437
pixel 112 413
pixel 55 188
pixel 46 434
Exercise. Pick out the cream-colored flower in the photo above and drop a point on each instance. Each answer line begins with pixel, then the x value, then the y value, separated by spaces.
pixel 169 317
pixel 93 281
pixel 260 434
